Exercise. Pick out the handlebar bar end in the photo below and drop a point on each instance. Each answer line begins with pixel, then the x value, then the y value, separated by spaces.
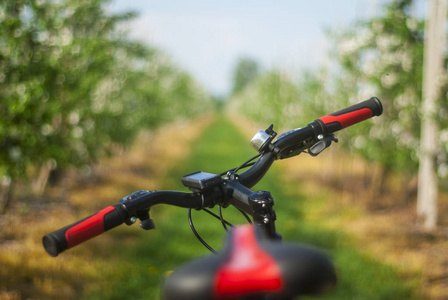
pixel 376 106
pixel 52 245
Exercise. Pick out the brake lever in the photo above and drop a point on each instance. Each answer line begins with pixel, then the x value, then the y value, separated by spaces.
pixel 295 150
pixel 143 214
pixel 321 145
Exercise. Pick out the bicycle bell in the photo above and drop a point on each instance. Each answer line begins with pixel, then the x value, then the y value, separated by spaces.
pixel 263 138
pixel 259 140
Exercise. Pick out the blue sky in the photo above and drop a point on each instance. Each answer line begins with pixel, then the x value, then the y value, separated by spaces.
pixel 206 37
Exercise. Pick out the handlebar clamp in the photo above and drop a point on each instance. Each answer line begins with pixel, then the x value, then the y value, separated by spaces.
pixel 143 214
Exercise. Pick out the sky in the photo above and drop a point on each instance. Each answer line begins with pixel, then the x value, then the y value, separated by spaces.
pixel 207 37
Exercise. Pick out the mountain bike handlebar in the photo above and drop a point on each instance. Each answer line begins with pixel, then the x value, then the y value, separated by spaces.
pixel 129 208
pixel 297 140
pixel 331 123
pixel 210 189
pixel 138 204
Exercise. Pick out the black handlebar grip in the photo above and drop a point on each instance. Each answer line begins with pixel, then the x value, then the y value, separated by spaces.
pixel 351 115
pixel 81 231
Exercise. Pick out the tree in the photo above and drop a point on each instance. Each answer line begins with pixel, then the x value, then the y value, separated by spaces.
pixel 56 55
pixel 383 57
pixel 69 85
pixel 245 72
pixel 435 38
pixel 267 99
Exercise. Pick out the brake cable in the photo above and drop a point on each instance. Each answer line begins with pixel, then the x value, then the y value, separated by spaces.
pixel 224 223
pixel 246 164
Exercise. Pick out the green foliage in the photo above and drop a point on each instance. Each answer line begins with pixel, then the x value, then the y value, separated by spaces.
pixel 383 57
pixel 261 99
pixel 274 97
pixel 159 92
pixel 245 72
pixel 380 57
pixel 72 84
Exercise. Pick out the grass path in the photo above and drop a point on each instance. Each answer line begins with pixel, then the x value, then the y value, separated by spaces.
pixel 27 272
pixel 138 263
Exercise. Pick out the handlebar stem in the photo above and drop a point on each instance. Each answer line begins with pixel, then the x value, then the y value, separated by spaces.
pixel 258 204
pixel 263 213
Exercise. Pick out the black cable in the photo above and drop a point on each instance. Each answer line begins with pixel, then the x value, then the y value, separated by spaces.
pixel 246 216
pixel 237 168
pixel 242 166
pixel 224 223
pixel 190 220
pixel 222 219
pixel 246 162
pixel 216 216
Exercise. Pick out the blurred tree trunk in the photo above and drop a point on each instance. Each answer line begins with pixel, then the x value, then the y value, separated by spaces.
pixel 377 184
pixel 38 185
pixel 433 72
pixel 6 187
pixel 409 187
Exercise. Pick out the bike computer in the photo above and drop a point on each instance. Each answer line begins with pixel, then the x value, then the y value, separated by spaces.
pixel 201 180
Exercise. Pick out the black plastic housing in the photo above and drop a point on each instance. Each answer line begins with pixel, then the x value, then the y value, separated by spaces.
pixel 201 180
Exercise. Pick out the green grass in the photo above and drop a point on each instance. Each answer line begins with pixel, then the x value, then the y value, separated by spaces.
pixel 137 268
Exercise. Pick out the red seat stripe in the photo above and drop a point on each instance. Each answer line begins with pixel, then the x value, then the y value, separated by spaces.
pixel 249 269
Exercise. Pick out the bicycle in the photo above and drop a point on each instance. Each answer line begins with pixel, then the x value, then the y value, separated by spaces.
pixel 254 263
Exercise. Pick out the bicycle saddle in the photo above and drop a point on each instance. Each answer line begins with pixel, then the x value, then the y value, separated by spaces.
pixel 250 267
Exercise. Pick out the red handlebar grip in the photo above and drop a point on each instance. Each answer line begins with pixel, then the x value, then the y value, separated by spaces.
pixel 81 231
pixel 352 115
pixel 87 229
